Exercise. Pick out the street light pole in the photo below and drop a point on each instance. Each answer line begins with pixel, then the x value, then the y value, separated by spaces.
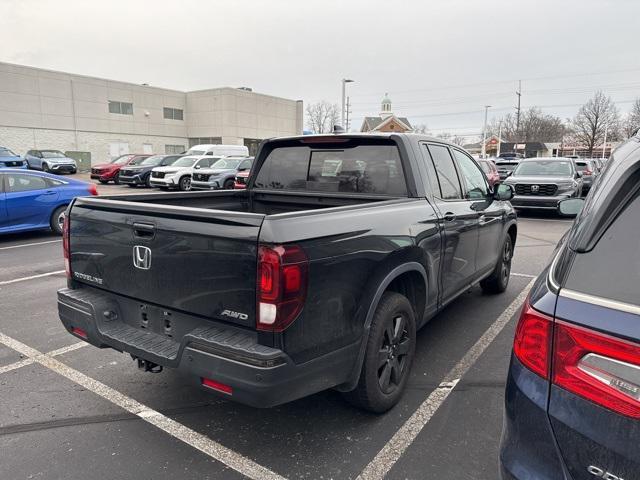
pixel 344 83
pixel 484 131
pixel 499 138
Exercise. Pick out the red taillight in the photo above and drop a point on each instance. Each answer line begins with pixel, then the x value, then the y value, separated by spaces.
pixel 587 172
pixel 79 332
pixel 219 387
pixel 532 342
pixel 281 286
pixel 93 190
pixel 602 384
pixel 66 226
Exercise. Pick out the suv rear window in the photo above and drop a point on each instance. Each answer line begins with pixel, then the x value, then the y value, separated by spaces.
pixel 618 253
pixel 371 169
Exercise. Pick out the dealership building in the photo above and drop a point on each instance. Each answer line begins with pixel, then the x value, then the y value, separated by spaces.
pixel 100 118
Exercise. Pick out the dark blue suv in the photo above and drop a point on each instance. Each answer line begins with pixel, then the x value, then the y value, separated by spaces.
pixel 572 406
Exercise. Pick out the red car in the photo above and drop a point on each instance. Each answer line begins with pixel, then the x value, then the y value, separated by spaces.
pixel 241 179
pixel 490 171
pixel 106 172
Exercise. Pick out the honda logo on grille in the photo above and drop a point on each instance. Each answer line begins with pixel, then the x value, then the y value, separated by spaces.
pixel 535 188
pixel 142 257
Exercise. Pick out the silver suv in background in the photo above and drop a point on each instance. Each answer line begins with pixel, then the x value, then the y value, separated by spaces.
pixel 541 183
pixel 221 175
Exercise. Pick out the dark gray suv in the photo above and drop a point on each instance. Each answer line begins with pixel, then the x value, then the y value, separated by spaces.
pixel 541 183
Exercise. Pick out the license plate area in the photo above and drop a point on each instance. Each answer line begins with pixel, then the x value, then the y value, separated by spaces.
pixel 155 319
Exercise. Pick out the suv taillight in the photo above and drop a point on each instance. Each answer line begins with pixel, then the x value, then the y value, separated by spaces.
pixel 281 286
pixel 597 367
pixel 532 344
pixel 65 244
pixel 587 363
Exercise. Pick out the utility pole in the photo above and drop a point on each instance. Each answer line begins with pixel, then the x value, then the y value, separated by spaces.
pixel 499 138
pixel 484 131
pixel 348 115
pixel 344 83
pixel 519 94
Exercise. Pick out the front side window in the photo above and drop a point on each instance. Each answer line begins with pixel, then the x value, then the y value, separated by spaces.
pixel 25 183
pixel 476 185
pixel 373 169
pixel 448 181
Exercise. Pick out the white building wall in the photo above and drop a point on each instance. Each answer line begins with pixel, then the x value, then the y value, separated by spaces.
pixel 47 109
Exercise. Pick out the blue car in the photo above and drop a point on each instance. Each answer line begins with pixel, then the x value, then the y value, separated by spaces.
pixel 572 402
pixel 8 159
pixel 36 200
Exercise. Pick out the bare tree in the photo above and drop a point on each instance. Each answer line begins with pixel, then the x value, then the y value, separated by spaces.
pixel 595 117
pixel 535 126
pixel 421 128
pixel 631 122
pixel 322 116
pixel 459 140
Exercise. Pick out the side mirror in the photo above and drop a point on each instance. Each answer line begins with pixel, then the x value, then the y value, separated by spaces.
pixel 578 174
pixel 509 173
pixel 197 167
pixel 570 206
pixel 503 192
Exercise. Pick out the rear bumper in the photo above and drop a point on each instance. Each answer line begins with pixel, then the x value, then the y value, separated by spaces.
pixel 258 375
pixel 538 202
pixel 527 447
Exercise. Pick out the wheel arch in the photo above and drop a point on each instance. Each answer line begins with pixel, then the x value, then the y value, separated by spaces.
pixel 409 279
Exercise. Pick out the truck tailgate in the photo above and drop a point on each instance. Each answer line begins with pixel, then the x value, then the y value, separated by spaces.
pixel 197 261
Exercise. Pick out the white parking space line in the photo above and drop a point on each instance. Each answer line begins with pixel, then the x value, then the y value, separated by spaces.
pixel 32 277
pixel 404 437
pixel 29 244
pixel 523 275
pixel 239 463
pixel 54 353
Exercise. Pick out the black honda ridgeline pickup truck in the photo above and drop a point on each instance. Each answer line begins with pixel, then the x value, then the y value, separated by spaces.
pixel 316 276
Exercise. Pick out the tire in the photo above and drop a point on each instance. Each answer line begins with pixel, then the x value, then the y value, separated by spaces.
pixel 103 182
pixel 116 179
pixel 498 281
pixel 148 181
pixel 389 355
pixel 56 219
pixel 185 183
pixel 132 185
pixel 45 168
pixel 228 184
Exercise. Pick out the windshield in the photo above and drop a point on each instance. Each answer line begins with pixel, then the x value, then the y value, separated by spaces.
pixel 185 162
pixel 545 168
pixel 52 154
pixel 229 163
pixel 486 168
pixel 506 166
pixel 121 160
pixel 155 160
pixel 5 152
pixel 582 166
pixel 137 161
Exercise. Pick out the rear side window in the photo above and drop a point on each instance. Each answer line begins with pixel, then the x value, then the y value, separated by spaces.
pixel 448 180
pixel 24 183
pixel 371 169
pixel 612 269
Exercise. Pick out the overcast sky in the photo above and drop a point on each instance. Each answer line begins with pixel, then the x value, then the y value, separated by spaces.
pixel 439 61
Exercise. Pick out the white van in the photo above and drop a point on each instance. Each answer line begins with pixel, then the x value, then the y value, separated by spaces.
pixel 219 150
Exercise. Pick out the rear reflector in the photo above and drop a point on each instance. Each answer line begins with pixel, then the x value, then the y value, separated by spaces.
pixel 217 386
pixel 598 367
pixel 79 332
pixel 532 343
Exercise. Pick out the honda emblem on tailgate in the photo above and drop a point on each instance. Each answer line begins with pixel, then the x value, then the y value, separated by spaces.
pixel 142 257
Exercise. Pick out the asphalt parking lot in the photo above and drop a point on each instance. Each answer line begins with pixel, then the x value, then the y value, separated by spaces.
pixel 71 410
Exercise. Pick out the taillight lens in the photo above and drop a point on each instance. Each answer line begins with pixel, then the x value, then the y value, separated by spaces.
pixel 66 226
pixel 594 366
pixel 93 190
pixel 281 287
pixel 532 344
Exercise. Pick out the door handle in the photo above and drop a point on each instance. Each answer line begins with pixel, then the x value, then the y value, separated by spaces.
pixel 144 230
pixel 50 192
pixel 449 217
